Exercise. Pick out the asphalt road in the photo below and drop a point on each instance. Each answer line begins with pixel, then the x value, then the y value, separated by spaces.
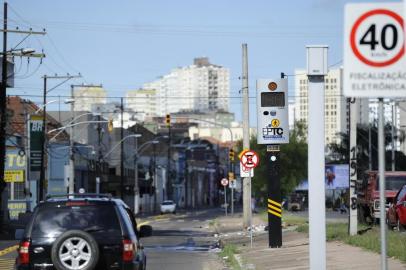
pixel 183 241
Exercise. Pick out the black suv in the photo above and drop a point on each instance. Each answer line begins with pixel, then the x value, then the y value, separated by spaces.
pixel 82 232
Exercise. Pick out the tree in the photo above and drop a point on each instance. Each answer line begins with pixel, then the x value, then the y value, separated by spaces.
pixel 293 161
pixel 339 152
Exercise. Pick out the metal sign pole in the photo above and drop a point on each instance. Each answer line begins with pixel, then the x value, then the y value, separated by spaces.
pixel 382 203
pixel 225 199
pixel 250 213
pixel 274 197
pixel 316 70
pixel 232 198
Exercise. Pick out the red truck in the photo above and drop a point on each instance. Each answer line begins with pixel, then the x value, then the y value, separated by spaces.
pixel 368 193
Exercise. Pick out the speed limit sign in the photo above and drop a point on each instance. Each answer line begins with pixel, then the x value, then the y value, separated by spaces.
pixel 374 50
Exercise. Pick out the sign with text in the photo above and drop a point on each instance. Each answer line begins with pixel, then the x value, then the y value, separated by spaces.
pixel 272 111
pixel 36 134
pixel 374 48
pixel 15 166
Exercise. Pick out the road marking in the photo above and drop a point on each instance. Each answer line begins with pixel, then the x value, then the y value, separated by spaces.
pixel 8 250
pixel 6 263
pixel 143 223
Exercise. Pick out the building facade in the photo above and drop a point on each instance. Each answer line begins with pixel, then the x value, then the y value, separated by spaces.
pixel 336 105
pixel 199 87
pixel 86 96
pixel 142 101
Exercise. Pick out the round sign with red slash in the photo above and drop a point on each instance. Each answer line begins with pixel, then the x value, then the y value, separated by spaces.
pixel 377 37
pixel 224 181
pixel 249 159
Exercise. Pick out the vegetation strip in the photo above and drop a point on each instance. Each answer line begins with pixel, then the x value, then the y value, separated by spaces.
pixel 228 254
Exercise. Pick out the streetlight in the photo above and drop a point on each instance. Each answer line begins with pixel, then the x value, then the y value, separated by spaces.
pixel 42 106
pixel 122 164
pixel 138 151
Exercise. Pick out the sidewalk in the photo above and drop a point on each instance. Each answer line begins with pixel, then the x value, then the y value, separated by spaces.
pixel 295 251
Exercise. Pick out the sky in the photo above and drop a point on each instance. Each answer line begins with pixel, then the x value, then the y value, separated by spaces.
pixel 124 44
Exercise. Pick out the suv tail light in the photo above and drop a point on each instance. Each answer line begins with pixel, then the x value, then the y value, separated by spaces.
pixel 23 252
pixel 129 250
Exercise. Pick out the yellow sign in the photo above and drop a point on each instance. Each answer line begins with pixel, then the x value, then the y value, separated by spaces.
pixel 14 176
pixel 15 208
pixel 275 123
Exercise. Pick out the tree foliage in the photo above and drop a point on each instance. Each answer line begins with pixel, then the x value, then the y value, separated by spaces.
pixel 367 137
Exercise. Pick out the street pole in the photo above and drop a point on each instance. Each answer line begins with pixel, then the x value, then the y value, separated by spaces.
pixel 274 196
pixel 136 187
pixel 44 130
pixel 369 147
pixel 154 177
pixel 382 186
pixel 71 183
pixel 353 209
pixel 225 199
pixel 247 214
pixel 168 187
pixel 99 157
pixel 43 140
pixel 3 112
pixel 316 165
pixel 122 151
pixel 393 136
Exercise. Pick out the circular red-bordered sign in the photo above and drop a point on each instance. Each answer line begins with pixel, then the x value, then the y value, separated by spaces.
pixel 353 42
pixel 249 159
pixel 224 181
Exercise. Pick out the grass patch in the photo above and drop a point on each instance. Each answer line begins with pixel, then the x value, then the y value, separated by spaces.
pixel 290 219
pixel 370 240
pixel 228 252
pixel 213 223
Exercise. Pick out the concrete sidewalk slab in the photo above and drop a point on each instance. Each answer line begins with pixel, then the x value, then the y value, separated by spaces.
pixel 294 255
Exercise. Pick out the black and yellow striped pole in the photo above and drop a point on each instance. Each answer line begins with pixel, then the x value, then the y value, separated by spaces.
pixel 274 197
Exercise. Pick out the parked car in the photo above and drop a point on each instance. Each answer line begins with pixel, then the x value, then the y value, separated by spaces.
pixel 82 231
pixel 396 215
pixel 368 194
pixel 168 206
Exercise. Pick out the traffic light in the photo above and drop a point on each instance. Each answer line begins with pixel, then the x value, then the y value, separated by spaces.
pixel 168 120
pixel 231 154
pixel 231 176
pixel 110 125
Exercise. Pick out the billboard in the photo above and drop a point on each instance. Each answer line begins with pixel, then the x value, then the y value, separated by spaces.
pixel 337 176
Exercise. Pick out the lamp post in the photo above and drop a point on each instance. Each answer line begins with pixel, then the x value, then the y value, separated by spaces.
pixel 138 151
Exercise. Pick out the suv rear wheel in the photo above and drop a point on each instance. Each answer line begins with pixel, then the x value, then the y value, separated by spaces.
pixel 75 250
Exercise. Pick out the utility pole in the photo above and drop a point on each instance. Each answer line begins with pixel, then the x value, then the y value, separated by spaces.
pixel 353 119
pixel 154 177
pixel 3 97
pixel 247 215
pixel 122 150
pixel 168 165
pixel 99 156
pixel 65 78
pixel 71 184
pixel 3 107
pixel 393 136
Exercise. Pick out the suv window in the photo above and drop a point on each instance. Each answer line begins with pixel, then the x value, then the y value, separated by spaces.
pixel 51 221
